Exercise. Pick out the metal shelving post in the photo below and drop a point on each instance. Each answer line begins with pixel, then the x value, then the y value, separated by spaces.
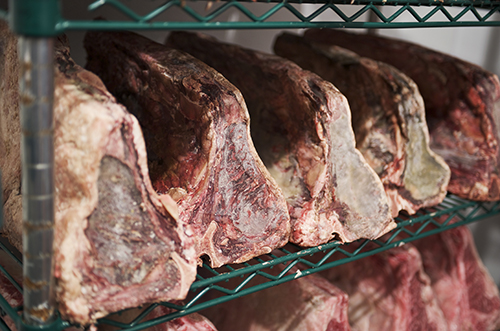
pixel 34 22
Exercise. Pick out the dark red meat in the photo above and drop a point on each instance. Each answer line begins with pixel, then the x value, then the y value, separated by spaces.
pixel 388 119
pixel 196 128
pixel 301 129
pixel 13 297
pixel 460 104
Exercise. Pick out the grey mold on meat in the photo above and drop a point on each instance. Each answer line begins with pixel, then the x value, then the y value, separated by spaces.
pixel 388 120
pixel 124 242
pixel 196 128
pixel 301 128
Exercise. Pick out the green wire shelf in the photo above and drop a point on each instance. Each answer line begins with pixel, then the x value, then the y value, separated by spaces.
pixel 452 212
pixel 467 13
pixel 263 14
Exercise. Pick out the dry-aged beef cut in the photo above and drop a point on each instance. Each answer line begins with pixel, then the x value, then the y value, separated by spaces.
pixel 116 244
pixel 301 129
pixel 10 136
pixel 389 291
pixel 388 120
pixel 461 102
pixel 464 289
pixel 307 303
pixel 196 128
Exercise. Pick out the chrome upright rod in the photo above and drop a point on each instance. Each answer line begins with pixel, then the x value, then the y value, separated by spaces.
pixel 37 154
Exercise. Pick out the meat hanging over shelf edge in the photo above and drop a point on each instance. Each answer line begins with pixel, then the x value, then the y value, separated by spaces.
pixel 388 118
pixel 196 128
pixel 462 105
pixel 118 243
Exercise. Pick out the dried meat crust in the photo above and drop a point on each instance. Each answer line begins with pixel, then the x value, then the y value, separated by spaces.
pixel 301 129
pixel 196 128
pixel 116 244
pixel 388 120
pixel 462 105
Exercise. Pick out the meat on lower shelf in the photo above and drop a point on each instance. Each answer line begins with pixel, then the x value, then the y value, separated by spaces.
pixel 301 126
pixel 191 322
pixel 308 303
pixel 465 291
pixel 388 118
pixel 389 291
pixel 461 103
pixel 196 128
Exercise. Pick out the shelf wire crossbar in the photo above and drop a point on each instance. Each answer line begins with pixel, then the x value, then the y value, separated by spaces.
pixel 215 286
pixel 214 19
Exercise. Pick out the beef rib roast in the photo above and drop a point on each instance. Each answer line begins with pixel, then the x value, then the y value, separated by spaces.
pixel 461 104
pixel 117 244
pixel 301 126
pixel 10 136
pixel 306 303
pixel 388 120
pixel 389 291
pixel 196 128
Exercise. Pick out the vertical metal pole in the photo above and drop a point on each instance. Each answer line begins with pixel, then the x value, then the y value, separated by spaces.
pixel 37 153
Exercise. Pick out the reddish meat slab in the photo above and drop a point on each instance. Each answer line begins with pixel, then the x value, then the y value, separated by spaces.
pixel 196 128
pixel 389 291
pixel 464 289
pixel 461 105
pixel 301 129
pixel 388 120
pixel 116 244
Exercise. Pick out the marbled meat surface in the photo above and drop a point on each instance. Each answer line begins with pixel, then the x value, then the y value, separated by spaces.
pixel 388 119
pixel 461 105
pixel 464 289
pixel 307 303
pixel 117 243
pixel 389 291
pixel 196 127
pixel 301 126
pixel 10 136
